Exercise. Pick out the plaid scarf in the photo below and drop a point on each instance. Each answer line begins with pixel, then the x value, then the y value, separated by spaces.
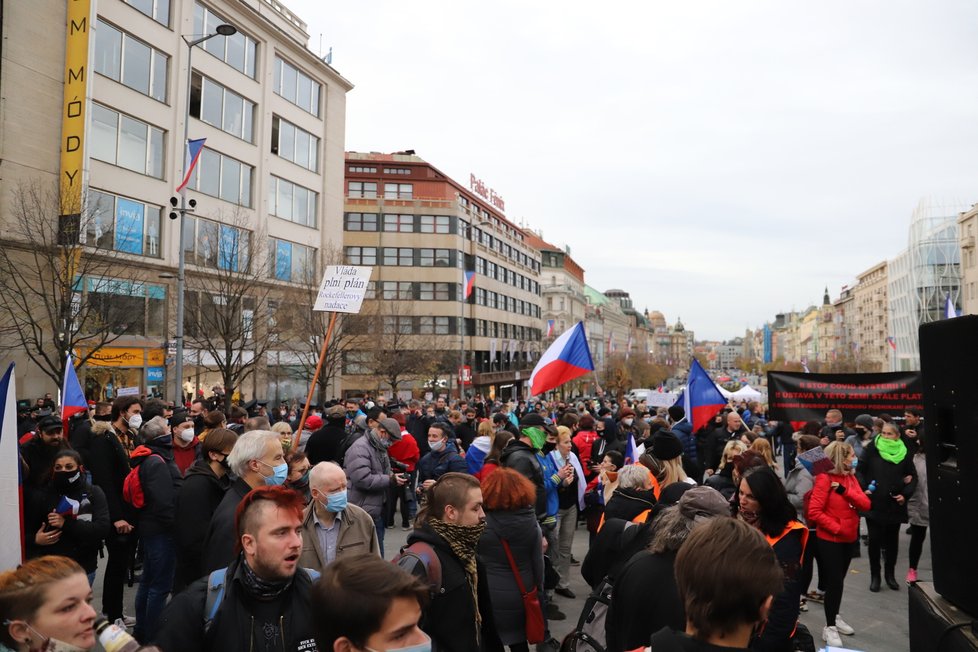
pixel 463 539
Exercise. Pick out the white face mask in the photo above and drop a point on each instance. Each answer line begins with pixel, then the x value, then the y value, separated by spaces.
pixel 186 435
pixel 628 421
pixel 135 421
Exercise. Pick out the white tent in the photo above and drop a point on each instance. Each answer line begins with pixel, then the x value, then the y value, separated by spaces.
pixel 726 393
pixel 747 393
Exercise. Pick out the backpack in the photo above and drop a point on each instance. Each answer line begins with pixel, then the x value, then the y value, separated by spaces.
pixel 589 634
pixel 132 486
pixel 215 593
pixel 417 556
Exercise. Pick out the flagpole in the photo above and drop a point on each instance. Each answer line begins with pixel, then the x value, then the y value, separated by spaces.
pixel 312 385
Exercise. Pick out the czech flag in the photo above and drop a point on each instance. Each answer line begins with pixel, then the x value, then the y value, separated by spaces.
pixel 949 310
pixel 701 400
pixel 68 507
pixel 891 342
pixel 550 328
pixel 194 148
pixel 72 398
pixel 566 359
pixel 11 504
pixel 468 283
pixel 630 457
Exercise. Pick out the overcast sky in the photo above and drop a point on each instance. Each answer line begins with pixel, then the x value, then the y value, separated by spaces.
pixel 721 161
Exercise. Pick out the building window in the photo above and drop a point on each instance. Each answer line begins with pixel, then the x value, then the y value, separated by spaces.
pixel 296 86
pixel 362 170
pixel 434 224
pixel 129 61
pixel 215 245
pixel 214 104
pixel 124 141
pixel 362 189
pixel 238 51
pixel 361 255
pixel 357 362
pixel 398 256
pixel 397 290
pixel 221 176
pixel 398 191
pixel 404 171
pixel 399 223
pixel 435 257
pixel 295 144
pixel 158 10
pixel 361 222
pixel 123 225
pixel 292 202
pixel 291 262
pixel 140 307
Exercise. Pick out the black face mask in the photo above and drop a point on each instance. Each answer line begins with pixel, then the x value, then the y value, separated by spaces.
pixel 548 447
pixel 65 481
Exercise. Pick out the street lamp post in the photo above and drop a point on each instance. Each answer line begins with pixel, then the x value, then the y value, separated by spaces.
pixel 465 231
pixel 220 30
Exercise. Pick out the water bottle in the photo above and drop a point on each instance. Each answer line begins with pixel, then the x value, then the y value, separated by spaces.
pixel 872 486
pixel 113 638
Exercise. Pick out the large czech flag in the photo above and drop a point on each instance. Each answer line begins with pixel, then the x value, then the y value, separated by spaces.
pixel 72 397
pixel 11 505
pixel 567 358
pixel 702 399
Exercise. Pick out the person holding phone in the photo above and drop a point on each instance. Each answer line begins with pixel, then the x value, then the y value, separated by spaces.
pixel 442 458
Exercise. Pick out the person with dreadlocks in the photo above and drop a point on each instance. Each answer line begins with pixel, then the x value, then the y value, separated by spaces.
pixel 452 522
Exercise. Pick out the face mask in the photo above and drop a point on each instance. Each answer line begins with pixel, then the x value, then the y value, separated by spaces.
pixel 164 440
pixel 66 480
pixel 420 647
pixel 628 421
pixel 279 473
pixel 436 446
pixel 135 421
pixel 186 435
pixel 335 502
pixel 548 447
pixel 54 645
pixel 855 462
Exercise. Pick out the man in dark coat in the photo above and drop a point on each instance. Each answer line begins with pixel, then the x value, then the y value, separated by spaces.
pixel 39 452
pixel 732 428
pixel 324 444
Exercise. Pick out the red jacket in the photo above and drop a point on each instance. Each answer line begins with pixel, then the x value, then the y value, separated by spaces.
pixel 405 451
pixel 584 440
pixel 836 516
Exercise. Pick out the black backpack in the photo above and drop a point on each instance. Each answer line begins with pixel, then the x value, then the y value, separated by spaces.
pixel 589 634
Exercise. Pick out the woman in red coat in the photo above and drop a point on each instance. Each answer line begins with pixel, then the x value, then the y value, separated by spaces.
pixel 836 501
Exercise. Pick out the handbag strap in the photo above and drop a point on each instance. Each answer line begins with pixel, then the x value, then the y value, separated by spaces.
pixel 512 565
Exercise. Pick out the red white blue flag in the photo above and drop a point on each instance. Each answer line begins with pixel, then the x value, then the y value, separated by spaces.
pixel 702 399
pixel 194 148
pixel 11 503
pixel 550 328
pixel 469 283
pixel 72 397
pixel 68 507
pixel 566 359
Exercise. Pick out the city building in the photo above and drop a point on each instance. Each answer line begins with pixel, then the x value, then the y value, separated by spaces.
pixel 267 185
pixel 422 231
pixel 561 286
pixel 869 319
pixel 967 227
pixel 921 278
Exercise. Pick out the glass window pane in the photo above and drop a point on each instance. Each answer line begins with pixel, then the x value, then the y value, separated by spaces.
pixel 236 50
pixel 198 19
pixel 108 50
pixel 105 128
pixel 250 55
pixel 285 200
pixel 159 76
pixel 212 110
pixel 152 227
pixel 136 65
pixel 304 96
pixel 248 129
pixel 245 185
pixel 209 169
pixel 101 221
pixel 189 233
pixel 301 148
pixel 289 82
pixel 277 73
pixel 156 153
pixel 286 135
pixel 301 211
pixel 233 113
pixel 314 100
pixel 145 6
pixel 162 12
pixel 132 144
pixel 230 180
pixel 271 196
pixel 207 244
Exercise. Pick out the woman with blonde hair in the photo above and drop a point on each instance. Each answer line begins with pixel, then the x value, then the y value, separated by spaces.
pixel 284 431
pixel 763 447
pixel 722 480
pixel 46 604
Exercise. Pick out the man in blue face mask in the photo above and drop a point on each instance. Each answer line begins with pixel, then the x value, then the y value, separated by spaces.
pixel 333 528
pixel 368 471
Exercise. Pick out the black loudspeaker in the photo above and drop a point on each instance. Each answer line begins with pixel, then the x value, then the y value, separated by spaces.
pixel 949 367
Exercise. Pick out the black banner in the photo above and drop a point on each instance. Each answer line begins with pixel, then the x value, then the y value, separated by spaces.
pixel 806 397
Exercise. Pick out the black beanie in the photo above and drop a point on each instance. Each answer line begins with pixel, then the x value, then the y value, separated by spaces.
pixel 666 446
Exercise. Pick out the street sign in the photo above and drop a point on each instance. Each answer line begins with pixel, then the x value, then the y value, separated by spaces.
pixel 342 288
pixel 465 375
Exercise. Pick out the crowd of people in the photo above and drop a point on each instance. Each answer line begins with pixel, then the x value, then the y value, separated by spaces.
pixel 245 531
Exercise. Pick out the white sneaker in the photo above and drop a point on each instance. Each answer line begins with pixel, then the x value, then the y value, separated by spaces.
pixel 843 627
pixel 831 637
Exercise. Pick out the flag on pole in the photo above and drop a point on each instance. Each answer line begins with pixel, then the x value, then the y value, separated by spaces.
pixel 566 359
pixel 550 328
pixel 72 397
pixel 702 399
pixel 468 283
pixel 891 342
pixel 68 507
pixel 630 457
pixel 11 502
pixel 949 311
pixel 194 148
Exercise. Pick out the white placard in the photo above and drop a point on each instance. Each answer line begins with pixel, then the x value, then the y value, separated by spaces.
pixel 128 391
pixel 342 288
pixel 661 399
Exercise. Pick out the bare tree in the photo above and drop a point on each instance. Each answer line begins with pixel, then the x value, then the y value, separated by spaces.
pixel 59 293
pixel 228 290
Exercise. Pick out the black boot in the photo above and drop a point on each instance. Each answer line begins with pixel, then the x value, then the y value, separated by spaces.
pixel 890 580
pixel 874 583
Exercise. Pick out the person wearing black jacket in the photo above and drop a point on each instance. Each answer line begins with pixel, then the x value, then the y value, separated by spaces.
pixel 325 444
pixel 204 486
pixel 520 456
pixel 607 430
pixel 633 496
pixel 39 452
pixel 68 516
pixel 886 463
pixel 109 448
pixel 160 479
pixel 265 603
pixel 733 428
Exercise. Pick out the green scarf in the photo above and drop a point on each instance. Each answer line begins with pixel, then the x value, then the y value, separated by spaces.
pixel 463 540
pixel 891 450
pixel 537 435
